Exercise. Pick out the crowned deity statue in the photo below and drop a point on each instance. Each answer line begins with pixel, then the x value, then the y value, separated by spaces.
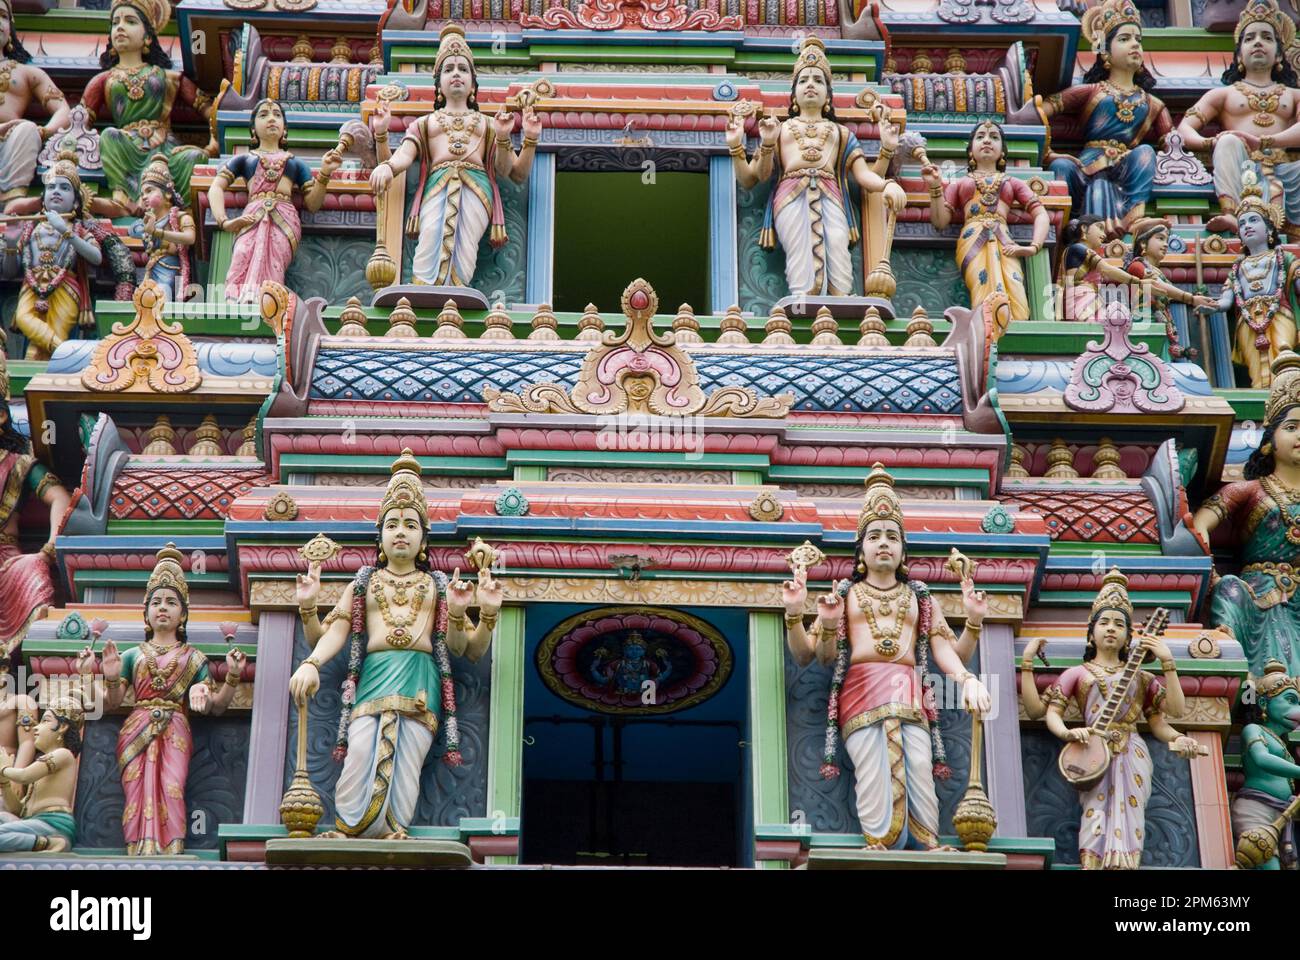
pixel 811 158
pixel 1112 699
pixel 1112 177
pixel 37 792
pixel 20 85
pixel 462 155
pixel 268 231
pixel 400 622
pixel 1263 286
pixel 170 680
pixel 1271 771
pixel 1259 605
pixel 884 633
pixel 138 88
pixel 1256 111
pixel 168 231
pixel 982 200
pixel 1155 290
pixel 55 254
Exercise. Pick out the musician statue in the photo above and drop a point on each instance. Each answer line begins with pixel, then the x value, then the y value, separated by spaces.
pixel 1112 693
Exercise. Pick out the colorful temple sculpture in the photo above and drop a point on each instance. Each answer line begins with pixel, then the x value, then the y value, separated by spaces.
pixel 692 432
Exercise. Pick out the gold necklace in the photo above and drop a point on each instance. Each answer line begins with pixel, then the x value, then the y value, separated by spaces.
pixel 400 634
pixel 6 69
pixel 133 78
pixel 457 130
pixel 1286 499
pixel 886 639
pixel 1125 109
pixel 159 677
pixel 811 137
pixel 990 189
pixel 1264 101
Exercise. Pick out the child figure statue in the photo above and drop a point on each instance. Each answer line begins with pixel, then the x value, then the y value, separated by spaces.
pixel 38 795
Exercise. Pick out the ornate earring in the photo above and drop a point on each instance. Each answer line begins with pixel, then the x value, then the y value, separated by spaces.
pixel 1267 449
pixel 147 45
pixel 422 556
pixel 383 558
pixel 862 567
pixel 1105 61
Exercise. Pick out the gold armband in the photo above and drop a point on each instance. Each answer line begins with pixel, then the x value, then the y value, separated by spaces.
pixel 530 142
pixel 793 620
pixel 50 763
pixel 322 178
pixel 1168 666
pixel 974 628
pixel 488 620
pixel 737 151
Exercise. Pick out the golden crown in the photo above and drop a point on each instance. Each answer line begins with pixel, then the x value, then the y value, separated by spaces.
pixel 1252 198
pixel 168 572
pixel 1275 680
pixel 405 492
pixel 159 174
pixel 882 502
pixel 813 54
pixel 68 706
pixel 1110 16
pixel 1285 391
pixel 65 166
pixel 157 12
pixel 1113 594
pixel 452 43
pixel 1266 11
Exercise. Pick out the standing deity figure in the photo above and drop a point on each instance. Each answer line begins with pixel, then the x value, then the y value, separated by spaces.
pixel 1113 176
pixel 1084 269
pixel 170 679
pixel 461 157
pixel 139 88
pixel 20 84
pixel 1270 768
pixel 168 231
pixel 811 158
pixel 883 632
pixel 1264 286
pixel 1256 110
pixel 1113 827
pixel 400 622
pixel 54 254
pixel 1259 606
pixel 38 792
pixel 268 231
pixel 988 258
pixel 1150 244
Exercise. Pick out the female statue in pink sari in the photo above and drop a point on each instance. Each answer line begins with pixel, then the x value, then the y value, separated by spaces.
pixel 268 229
pixel 169 678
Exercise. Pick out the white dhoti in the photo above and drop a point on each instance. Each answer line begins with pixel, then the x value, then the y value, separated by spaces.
pixel 813 228
pixel 379 786
pixel 455 212
pixel 18 152
pixel 1232 159
pixel 894 776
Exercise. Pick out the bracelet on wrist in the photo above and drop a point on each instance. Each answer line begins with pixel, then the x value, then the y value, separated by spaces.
pixel 1168 666
pixel 766 148
pixel 792 620
pixel 312 661
pixel 974 628
pixel 738 152
pixel 530 142
pixel 1026 664
pixel 233 679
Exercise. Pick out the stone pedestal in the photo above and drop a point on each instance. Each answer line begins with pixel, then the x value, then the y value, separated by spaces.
pixel 424 296
pixel 413 852
pixel 848 858
pixel 841 308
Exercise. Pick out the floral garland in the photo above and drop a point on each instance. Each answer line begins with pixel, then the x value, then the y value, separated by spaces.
pixel 451 729
pixel 830 769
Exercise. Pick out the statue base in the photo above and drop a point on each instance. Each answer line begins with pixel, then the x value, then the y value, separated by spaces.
pixel 841 308
pixel 425 296
pixel 848 858
pixel 348 852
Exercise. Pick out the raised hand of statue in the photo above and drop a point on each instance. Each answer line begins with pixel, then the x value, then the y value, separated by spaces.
pixel 888 135
pixel 235 660
pixel 383 112
pixel 307 587
pixel 112 660
pixel 86 660
pixel 532 123
pixel 735 133
pixel 1032 647
pixel 830 606
pixel 769 130
pixel 932 177
pixel 200 698
pixel 794 592
pixel 504 124
pixel 148 222
pixel 975 696
pixel 1187 748
pixel 975 602
pixel 490 591
pixel 1157 647
pixel 331 161
pixel 460 594
pixel 57 222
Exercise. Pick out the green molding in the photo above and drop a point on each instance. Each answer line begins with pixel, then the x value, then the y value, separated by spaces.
pixel 530 473
pixel 918 476
pixel 631 458
pixel 954 147
pixel 1246 404
pixel 1083 598
pixel 767 745
pixel 1062 548
pixel 200 318
pixel 323 463
pixel 747 478
pixel 1038 281
pixel 1071 338
pixel 300 137
pixel 1184 206
pixel 506 720
pixel 1177 39
pixel 168 528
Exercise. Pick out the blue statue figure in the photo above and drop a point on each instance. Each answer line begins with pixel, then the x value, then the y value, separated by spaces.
pixel 628 672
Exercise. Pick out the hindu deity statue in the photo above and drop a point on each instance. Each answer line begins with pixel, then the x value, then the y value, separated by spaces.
pixel 170 680
pixel 461 156
pixel 1084 269
pixel 883 633
pixel 1113 176
pixel 138 88
pixel 400 622
pixel 1264 287
pixel 810 158
pixel 1270 767
pixel 20 84
pixel 37 793
pixel 26 584
pixel 268 231
pixel 1113 827
pixel 168 231
pixel 1150 244
pixel 1259 605
pixel 1256 113
pixel 54 255
pixel 987 256
pixel 630 669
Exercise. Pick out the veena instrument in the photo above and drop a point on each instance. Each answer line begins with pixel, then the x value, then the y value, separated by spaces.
pixel 1084 763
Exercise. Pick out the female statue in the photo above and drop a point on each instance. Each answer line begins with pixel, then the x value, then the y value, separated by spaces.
pixel 168 231
pixel 1150 244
